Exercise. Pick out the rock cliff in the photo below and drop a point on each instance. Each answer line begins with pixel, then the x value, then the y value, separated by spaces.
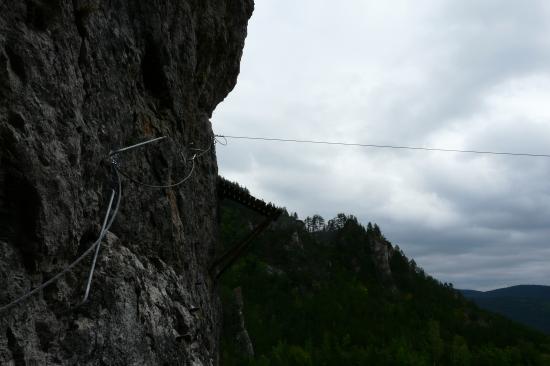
pixel 77 80
pixel 242 343
pixel 382 252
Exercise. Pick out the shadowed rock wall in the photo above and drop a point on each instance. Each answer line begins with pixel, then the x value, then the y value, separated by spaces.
pixel 77 79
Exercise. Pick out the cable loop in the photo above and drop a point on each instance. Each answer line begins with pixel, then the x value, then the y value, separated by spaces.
pixel 198 154
pixel 216 140
pixel 159 186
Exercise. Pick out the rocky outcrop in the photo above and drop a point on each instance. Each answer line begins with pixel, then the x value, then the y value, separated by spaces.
pixel 242 339
pixel 78 79
pixel 381 255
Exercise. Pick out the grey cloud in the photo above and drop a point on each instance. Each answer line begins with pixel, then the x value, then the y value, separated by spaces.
pixel 469 74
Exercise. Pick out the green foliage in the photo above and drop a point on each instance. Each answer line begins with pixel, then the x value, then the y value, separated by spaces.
pixel 460 353
pixel 435 341
pixel 313 295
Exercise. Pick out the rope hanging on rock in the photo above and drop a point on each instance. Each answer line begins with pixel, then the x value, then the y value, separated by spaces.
pixel 106 227
pixel 110 215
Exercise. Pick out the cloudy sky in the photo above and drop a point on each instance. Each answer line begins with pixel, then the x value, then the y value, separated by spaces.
pixel 470 74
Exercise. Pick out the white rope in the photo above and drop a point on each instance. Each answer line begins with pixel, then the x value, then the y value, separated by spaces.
pixel 106 222
pixel 76 261
pixel 136 145
pixel 103 232
pixel 92 268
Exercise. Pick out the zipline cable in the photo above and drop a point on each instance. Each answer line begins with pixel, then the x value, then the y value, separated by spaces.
pixel 487 152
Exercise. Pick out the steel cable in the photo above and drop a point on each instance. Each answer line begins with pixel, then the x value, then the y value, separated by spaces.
pixel 387 146
pixel 161 186
pixel 107 222
pixel 79 259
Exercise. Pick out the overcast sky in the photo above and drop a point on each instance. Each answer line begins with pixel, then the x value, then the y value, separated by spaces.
pixel 469 74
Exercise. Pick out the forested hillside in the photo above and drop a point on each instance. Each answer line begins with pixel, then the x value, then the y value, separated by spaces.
pixel 338 293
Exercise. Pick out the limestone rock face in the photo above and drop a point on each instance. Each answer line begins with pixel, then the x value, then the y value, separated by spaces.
pixel 382 253
pixel 242 338
pixel 78 79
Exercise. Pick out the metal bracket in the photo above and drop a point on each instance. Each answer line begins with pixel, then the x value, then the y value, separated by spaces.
pixel 235 193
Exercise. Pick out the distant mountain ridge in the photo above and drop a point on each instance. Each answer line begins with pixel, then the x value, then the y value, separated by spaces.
pixel 526 304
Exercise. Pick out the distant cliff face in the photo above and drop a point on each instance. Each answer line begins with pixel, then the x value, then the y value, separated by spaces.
pixel 77 79
pixel 382 252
